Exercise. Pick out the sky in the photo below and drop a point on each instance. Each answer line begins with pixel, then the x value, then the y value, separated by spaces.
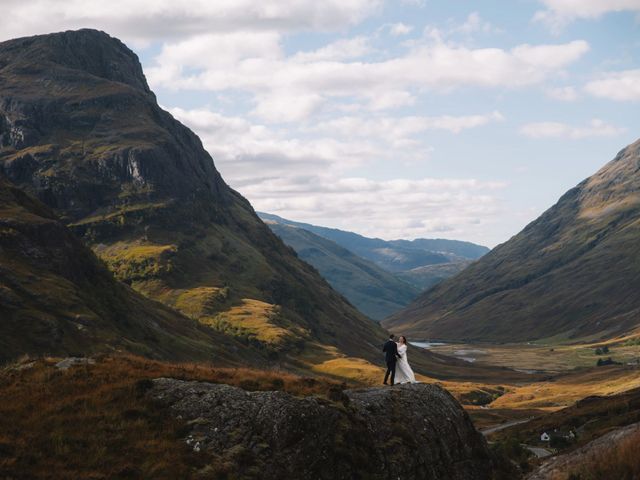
pixel 395 119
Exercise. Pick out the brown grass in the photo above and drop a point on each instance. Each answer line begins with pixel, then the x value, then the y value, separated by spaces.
pixel 548 357
pixel 566 389
pixel 621 462
pixel 94 421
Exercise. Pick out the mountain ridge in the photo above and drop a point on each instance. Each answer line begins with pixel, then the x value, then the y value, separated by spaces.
pixel 568 273
pixel 407 260
pixel 374 291
pixel 362 245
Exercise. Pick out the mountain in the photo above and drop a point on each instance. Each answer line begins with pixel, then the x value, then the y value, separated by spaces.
pixel 81 130
pixel 395 255
pixel 374 291
pixel 429 275
pixel 57 298
pixel 572 273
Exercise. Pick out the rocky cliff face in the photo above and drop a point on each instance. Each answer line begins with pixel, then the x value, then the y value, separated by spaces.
pixel 573 272
pixel 407 432
pixel 80 129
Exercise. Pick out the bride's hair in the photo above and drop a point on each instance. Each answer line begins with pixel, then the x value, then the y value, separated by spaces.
pixel 403 339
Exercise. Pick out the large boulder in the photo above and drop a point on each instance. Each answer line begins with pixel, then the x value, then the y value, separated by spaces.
pixel 406 432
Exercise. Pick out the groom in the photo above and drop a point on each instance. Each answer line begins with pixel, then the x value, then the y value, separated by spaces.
pixel 391 355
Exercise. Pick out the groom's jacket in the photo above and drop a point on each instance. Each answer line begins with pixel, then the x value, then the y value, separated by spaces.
pixel 390 350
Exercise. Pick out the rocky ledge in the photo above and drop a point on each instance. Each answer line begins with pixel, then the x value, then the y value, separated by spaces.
pixel 404 432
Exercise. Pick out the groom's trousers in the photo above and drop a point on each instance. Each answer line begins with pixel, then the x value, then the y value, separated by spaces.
pixel 391 369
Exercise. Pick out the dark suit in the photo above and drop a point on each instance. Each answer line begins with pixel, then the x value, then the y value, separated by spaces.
pixel 391 355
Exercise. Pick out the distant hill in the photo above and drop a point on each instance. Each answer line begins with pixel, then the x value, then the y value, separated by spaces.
pixel 427 276
pixel 572 273
pixel 374 291
pixel 395 255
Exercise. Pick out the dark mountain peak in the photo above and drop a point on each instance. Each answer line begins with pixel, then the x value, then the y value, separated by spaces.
pixel 78 120
pixel 88 50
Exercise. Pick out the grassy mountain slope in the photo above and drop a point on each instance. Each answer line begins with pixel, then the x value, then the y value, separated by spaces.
pixel 573 272
pixel 81 130
pixel 56 297
pixel 429 275
pixel 394 255
pixel 374 291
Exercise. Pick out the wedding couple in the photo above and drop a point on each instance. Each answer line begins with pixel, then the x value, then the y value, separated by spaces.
pixel 395 355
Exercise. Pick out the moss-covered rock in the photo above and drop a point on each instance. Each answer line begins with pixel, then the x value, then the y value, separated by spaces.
pixel 410 432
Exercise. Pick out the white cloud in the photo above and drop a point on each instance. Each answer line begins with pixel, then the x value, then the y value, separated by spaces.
pixel 148 20
pixel 564 94
pixel 281 106
pixel 390 99
pixel 306 83
pixel 344 49
pixel 621 86
pixel 246 153
pixel 558 13
pixel 596 128
pixel 398 131
pixel 395 208
pixel 474 24
pixel 308 175
pixel 398 29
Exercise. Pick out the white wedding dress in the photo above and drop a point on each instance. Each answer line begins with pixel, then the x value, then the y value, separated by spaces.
pixel 404 374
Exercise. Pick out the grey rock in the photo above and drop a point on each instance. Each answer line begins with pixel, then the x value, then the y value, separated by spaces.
pixel 405 432
pixel 73 361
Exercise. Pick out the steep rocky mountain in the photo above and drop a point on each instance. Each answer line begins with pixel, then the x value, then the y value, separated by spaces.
pixel 374 291
pixel 406 259
pixel 81 130
pixel 572 273
pixel 57 298
pixel 410 431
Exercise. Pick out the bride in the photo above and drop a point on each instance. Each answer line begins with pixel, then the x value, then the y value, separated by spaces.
pixel 404 374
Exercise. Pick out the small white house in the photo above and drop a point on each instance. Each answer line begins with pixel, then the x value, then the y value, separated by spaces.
pixel 545 437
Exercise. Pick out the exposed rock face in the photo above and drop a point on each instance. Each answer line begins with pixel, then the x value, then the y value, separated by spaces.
pixel 405 432
pixel 573 272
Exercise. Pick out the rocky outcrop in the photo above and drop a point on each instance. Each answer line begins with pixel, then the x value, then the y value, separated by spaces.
pixel 405 432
